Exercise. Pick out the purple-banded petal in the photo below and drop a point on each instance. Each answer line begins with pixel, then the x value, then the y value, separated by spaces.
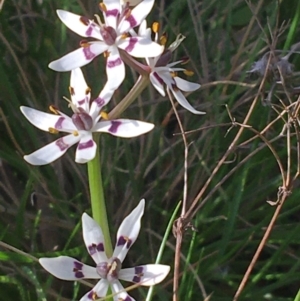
pixel 99 291
pixel 80 92
pixel 86 148
pixel 113 8
pixel 93 239
pixel 68 268
pixel 157 83
pixel 146 275
pixel 102 100
pixel 183 101
pixel 140 47
pixel 121 295
pixel 44 121
pixel 52 151
pixel 115 68
pixel 129 231
pixel 185 85
pixel 124 128
pixel 138 14
pixel 81 25
pixel 79 57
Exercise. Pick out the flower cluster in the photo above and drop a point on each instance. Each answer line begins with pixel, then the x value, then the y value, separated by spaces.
pixel 116 36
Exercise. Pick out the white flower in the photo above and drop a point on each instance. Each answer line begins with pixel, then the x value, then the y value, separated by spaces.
pixel 85 120
pixel 109 38
pixel 107 269
pixel 163 73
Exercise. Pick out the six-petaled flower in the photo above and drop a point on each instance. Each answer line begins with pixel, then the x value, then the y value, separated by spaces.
pixel 109 270
pixel 164 73
pixel 84 122
pixel 109 37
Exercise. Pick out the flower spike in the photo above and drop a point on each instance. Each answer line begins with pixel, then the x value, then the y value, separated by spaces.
pixel 108 270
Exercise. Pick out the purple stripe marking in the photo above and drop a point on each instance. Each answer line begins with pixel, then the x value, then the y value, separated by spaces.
pixel 84 145
pixel 92 295
pixel 114 126
pixel 155 74
pixel 59 122
pixel 81 102
pixel 121 241
pixel 89 55
pixel 79 274
pixel 132 21
pixel 127 298
pixel 90 29
pixel 138 270
pixel 112 64
pixel 112 12
pixel 78 265
pixel 124 240
pixel 78 269
pixel 99 101
pixel 94 248
pixel 61 144
pixel 136 279
pixel 132 42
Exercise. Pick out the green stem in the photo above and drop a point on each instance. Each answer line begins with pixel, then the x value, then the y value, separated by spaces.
pixel 97 198
pixel 137 89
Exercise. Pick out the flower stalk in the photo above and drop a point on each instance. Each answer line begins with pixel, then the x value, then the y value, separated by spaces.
pixel 97 198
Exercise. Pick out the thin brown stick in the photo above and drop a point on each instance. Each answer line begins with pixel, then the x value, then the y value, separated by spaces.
pixel 179 228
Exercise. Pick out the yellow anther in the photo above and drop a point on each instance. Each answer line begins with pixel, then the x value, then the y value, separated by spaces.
pixel 102 7
pixel 188 72
pixel 124 36
pixel 53 110
pixel 53 131
pixel 75 133
pixel 104 115
pixel 95 296
pixel 155 27
pixel 173 74
pixel 84 43
pixel 71 90
pixel 87 91
pixel 106 54
pixel 163 39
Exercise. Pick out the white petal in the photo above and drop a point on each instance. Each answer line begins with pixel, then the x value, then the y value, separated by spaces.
pixel 80 92
pixel 185 85
pixel 99 291
pixel 113 8
pixel 44 121
pixel 183 101
pixel 146 275
pixel 102 100
pixel 79 57
pixel 138 14
pixel 68 268
pixel 124 128
pixel 129 231
pixel 51 151
pixel 86 149
pixel 140 47
pixel 81 25
pixel 121 294
pixel 115 68
pixel 93 239
pixel 144 31
pixel 157 83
